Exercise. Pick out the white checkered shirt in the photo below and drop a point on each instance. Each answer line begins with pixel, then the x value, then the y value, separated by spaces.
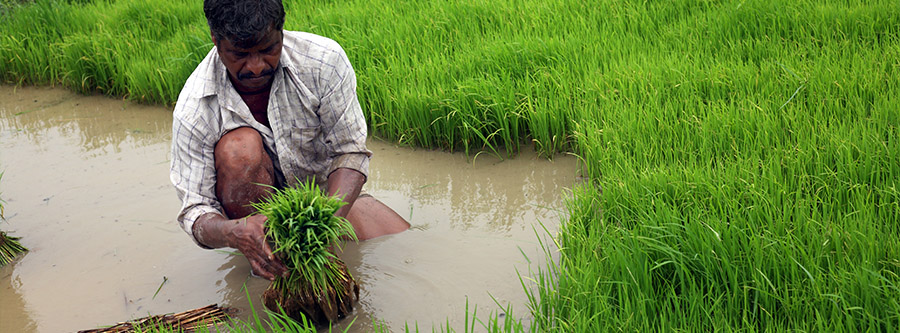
pixel 316 122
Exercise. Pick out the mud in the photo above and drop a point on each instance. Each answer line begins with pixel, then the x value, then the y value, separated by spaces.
pixel 86 187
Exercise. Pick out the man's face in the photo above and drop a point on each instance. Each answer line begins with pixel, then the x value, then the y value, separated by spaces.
pixel 251 67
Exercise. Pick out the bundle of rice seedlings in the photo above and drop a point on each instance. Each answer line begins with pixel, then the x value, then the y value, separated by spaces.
pixel 10 248
pixel 202 319
pixel 304 231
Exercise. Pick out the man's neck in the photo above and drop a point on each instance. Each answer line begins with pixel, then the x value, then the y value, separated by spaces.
pixel 258 103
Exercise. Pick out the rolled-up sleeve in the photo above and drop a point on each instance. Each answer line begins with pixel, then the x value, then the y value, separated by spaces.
pixel 342 120
pixel 193 171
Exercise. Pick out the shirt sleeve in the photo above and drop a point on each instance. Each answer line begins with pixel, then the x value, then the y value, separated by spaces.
pixel 342 120
pixel 193 171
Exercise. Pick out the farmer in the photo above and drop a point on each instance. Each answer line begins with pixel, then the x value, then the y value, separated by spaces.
pixel 268 106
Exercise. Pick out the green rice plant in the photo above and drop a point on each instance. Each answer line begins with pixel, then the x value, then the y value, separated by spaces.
pixel 140 50
pixel 7 6
pixel 303 228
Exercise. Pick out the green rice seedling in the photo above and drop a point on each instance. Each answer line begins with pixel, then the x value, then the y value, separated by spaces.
pixel 10 248
pixel 304 230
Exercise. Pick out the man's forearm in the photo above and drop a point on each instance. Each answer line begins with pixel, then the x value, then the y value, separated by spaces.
pixel 346 184
pixel 246 234
pixel 213 230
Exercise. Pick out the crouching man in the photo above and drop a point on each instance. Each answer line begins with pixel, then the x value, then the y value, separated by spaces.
pixel 267 107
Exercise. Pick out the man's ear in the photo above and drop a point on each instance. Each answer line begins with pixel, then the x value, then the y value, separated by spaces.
pixel 213 37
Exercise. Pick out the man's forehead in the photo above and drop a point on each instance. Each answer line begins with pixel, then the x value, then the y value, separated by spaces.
pixel 265 39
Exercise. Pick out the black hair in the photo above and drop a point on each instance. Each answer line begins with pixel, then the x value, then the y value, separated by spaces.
pixel 243 22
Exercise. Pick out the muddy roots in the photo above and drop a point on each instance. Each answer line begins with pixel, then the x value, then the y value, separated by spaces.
pixel 328 306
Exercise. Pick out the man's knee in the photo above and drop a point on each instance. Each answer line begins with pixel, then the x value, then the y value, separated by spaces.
pixel 239 149
pixel 241 165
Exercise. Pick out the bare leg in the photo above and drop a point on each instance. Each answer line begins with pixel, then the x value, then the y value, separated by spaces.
pixel 241 164
pixel 372 218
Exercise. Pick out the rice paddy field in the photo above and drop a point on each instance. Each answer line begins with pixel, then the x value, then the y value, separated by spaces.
pixel 741 158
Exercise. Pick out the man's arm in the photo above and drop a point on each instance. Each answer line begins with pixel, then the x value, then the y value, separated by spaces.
pixel 370 218
pixel 346 184
pixel 343 125
pixel 246 235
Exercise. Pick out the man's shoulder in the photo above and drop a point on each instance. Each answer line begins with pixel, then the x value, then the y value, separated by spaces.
pixel 200 85
pixel 314 41
pixel 304 49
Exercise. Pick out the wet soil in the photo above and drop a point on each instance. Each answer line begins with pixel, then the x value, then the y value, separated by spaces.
pixel 86 186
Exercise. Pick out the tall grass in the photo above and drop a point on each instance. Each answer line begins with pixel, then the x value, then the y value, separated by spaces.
pixel 748 185
pixel 742 156
pixel 140 49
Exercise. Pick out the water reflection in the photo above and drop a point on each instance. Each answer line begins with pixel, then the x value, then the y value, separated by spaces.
pixel 237 282
pixel 489 194
pixel 101 125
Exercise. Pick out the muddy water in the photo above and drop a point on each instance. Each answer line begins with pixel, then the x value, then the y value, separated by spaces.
pixel 86 187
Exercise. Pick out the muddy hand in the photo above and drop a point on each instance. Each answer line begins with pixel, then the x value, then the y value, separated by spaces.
pixel 250 239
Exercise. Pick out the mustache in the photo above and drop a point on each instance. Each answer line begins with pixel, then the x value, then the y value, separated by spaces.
pixel 250 75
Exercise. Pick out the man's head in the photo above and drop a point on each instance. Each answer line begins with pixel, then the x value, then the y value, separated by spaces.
pixel 248 35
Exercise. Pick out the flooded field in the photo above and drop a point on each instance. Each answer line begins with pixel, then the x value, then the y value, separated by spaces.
pixel 86 187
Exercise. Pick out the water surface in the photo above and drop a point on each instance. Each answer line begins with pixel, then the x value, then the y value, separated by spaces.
pixel 86 187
